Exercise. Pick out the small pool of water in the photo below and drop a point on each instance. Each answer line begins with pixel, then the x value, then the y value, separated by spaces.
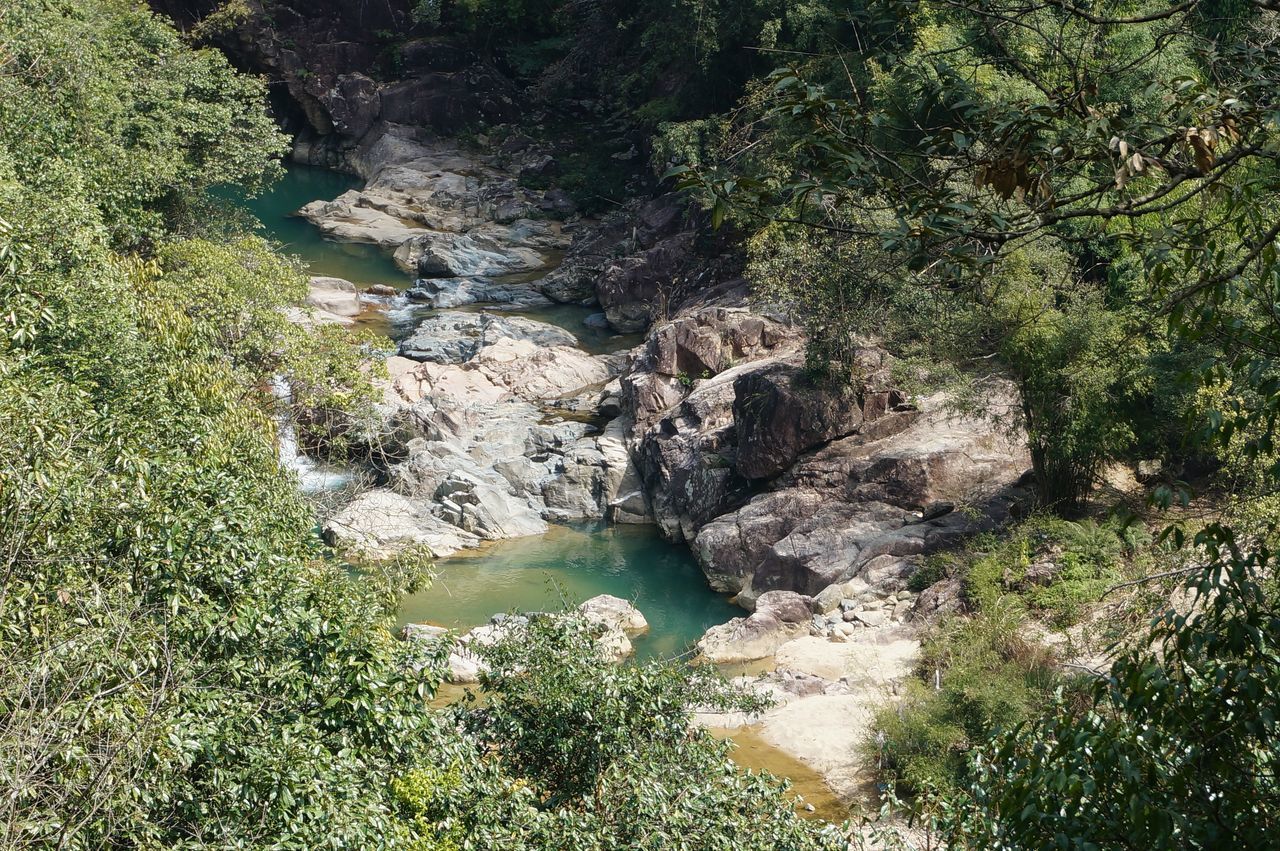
pixel 276 208
pixel 570 564
pixel 752 752
pixel 596 341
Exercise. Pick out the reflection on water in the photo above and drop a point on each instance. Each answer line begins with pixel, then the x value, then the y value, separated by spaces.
pixel 568 565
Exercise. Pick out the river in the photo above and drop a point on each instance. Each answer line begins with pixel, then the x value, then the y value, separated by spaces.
pixel 569 563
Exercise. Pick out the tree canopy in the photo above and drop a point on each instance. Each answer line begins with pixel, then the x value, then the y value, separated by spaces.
pixel 1086 195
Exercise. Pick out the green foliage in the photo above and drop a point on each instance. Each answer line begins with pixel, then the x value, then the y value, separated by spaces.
pixel 1176 747
pixel 984 674
pixel 976 677
pixel 1075 562
pixel 653 62
pixel 222 21
pixel 235 295
pixel 935 568
pixel 1082 199
pixel 106 92
pixel 596 181
pixel 181 665
pixel 949 140
pixel 163 597
pixel 578 753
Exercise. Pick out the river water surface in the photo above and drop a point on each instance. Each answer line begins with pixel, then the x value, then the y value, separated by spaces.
pixel 568 564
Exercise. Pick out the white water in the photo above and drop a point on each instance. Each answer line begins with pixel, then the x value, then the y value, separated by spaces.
pixel 313 476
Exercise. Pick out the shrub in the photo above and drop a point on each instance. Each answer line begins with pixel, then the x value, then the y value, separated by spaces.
pixel 976 676
pixel 1086 555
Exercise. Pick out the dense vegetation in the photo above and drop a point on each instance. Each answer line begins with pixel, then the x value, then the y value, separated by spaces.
pixel 1080 200
pixel 182 665
pixel 1086 200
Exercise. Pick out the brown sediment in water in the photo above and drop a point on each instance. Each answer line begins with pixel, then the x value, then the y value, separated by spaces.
pixel 752 752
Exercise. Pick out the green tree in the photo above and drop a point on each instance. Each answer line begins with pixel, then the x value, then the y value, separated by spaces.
pixel 583 754
pixel 963 137
pixel 1178 746
pixel 111 94
pixel 182 664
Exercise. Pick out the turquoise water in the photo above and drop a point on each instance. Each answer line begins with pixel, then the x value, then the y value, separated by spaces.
pixel 358 263
pixel 367 264
pixel 570 564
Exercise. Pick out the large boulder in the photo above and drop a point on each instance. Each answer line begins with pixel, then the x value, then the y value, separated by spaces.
pixel 685 435
pixel 779 617
pixel 632 288
pixel 379 523
pixel 531 371
pixel 333 295
pixel 442 212
pixel 456 292
pixel 611 612
pixel 730 547
pixel 456 337
pixel 838 509
pixel 779 414
pixel 687 459
pixel 354 104
pixel 706 341
pixel 610 254
pixel 617 621
pixel 492 433
pixel 449 102
pixel 487 249
pixel 485 509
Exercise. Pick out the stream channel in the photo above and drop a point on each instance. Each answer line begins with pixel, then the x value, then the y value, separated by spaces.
pixel 568 564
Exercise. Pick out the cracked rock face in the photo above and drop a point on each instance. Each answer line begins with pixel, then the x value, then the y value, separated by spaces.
pixel 476 446
pixel 781 485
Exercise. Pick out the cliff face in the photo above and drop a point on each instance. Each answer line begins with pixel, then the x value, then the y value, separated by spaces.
pixel 341 72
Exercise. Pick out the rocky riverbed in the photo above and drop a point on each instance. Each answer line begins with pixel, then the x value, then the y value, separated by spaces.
pixel 812 505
